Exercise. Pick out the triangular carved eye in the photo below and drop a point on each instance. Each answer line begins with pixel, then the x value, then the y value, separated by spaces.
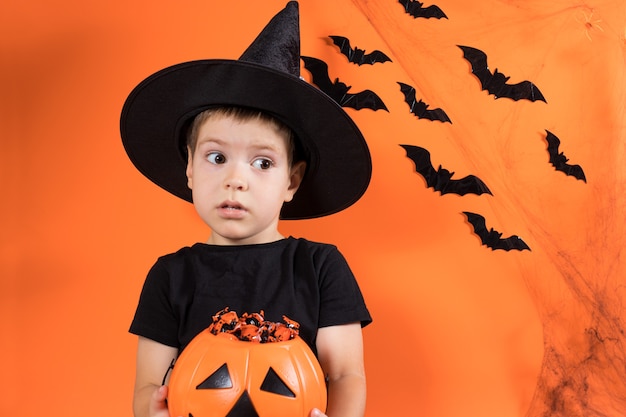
pixel 219 379
pixel 272 383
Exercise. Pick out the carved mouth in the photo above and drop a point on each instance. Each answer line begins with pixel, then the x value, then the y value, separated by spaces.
pixel 242 408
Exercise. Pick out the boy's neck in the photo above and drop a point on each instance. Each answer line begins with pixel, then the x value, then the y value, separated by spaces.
pixel 218 240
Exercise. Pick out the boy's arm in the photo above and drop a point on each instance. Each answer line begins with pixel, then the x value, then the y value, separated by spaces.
pixel 340 352
pixel 153 361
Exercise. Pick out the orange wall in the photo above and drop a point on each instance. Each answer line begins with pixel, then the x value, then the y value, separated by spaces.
pixel 459 329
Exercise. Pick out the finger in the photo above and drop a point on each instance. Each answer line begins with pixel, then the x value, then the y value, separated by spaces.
pixel 161 393
pixel 317 413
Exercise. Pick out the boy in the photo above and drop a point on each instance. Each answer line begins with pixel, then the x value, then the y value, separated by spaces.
pixel 249 142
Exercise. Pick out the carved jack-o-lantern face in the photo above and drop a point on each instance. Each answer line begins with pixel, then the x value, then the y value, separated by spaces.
pixel 222 376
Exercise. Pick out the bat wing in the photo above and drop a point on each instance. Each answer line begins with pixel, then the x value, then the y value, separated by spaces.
pixel 553 146
pixel 415 9
pixel 576 171
pixel 432 11
pixel 319 72
pixel 478 223
pixel 366 99
pixel 436 114
pixel 478 62
pixel 374 57
pixel 344 46
pixel 409 94
pixel 511 242
pixel 423 166
pixel 559 161
pixel 419 108
pixel 492 238
pixel 470 184
pixel 524 90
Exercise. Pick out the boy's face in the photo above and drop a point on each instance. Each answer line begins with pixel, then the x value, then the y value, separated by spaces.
pixel 240 176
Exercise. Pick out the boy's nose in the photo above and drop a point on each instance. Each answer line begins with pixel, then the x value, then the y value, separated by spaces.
pixel 236 180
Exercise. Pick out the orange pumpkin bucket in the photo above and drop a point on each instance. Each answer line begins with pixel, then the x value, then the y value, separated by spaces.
pixel 227 371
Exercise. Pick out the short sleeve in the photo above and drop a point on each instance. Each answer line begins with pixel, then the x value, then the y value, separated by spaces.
pixel 154 317
pixel 341 300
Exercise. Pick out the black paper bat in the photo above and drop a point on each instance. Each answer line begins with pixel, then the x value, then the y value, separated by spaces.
pixel 415 9
pixel 419 108
pixel 441 179
pixel 338 91
pixel 492 238
pixel 559 160
pixel 496 83
pixel 356 55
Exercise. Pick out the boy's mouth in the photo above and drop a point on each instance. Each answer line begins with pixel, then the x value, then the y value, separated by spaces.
pixel 231 207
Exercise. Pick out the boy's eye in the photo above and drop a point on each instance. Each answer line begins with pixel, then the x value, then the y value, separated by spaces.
pixel 262 163
pixel 216 158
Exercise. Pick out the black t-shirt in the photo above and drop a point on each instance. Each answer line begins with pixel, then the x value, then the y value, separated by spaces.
pixel 308 282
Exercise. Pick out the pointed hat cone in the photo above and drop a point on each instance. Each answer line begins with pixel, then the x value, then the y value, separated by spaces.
pixel 278 44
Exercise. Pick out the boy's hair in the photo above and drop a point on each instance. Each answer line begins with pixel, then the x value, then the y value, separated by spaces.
pixel 244 114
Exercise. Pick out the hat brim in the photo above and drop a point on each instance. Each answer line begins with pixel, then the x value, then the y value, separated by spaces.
pixel 157 112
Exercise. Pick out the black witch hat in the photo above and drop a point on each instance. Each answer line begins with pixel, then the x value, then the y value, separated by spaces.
pixel 158 112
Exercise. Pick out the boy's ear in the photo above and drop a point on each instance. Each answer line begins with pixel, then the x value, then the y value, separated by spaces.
pixel 297 174
pixel 189 170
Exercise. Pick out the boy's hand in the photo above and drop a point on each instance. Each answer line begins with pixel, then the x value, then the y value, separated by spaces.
pixel 317 413
pixel 158 404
